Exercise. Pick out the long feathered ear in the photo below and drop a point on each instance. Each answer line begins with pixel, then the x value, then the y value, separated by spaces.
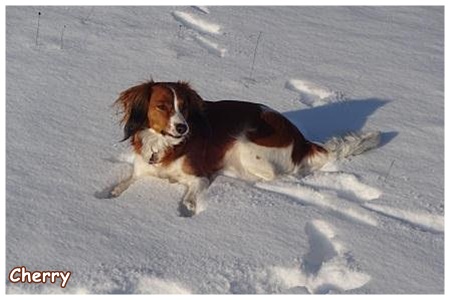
pixel 134 105
pixel 195 101
pixel 196 117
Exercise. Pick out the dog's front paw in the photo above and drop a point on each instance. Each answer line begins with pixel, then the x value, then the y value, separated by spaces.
pixel 187 208
pixel 115 192
pixel 120 188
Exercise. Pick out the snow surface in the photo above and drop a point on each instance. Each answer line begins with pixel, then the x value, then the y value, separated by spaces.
pixel 370 224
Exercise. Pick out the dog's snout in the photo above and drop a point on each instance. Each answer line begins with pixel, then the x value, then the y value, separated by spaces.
pixel 181 128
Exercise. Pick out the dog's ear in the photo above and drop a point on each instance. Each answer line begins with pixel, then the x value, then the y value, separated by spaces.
pixel 134 104
pixel 196 117
pixel 195 102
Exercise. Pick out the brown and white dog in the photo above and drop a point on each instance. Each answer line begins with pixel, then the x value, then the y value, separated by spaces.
pixel 177 135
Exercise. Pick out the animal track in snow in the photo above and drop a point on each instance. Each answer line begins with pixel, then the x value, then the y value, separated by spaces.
pixel 197 27
pixel 203 9
pixel 212 47
pixel 346 195
pixel 307 195
pixel 344 185
pixel 312 94
pixel 428 222
pixel 196 23
pixel 327 267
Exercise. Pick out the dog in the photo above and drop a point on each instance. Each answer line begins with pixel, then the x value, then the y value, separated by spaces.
pixel 177 135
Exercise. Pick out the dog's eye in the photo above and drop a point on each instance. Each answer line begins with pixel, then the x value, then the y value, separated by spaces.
pixel 161 107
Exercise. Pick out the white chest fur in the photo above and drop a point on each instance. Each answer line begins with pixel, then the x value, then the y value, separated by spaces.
pixel 173 171
pixel 154 143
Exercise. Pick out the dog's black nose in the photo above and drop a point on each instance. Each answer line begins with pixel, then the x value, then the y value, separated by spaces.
pixel 181 128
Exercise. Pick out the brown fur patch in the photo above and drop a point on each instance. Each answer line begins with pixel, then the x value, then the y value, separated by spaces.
pixel 222 123
pixel 214 126
pixel 136 143
pixel 161 108
pixel 273 130
pixel 134 106
pixel 130 97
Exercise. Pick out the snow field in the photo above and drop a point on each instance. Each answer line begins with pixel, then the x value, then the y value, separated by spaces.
pixel 196 23
pixel 197 26
pixel 312 94
pixel 369 224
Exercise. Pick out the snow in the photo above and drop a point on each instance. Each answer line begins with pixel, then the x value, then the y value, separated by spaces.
pixel 369 224
pixel 212 47
pixel 202 9
pixel 306 195
pixel 310 93
pixel 196 23
pixel 424 220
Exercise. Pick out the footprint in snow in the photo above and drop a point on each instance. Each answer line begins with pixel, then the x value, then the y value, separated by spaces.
pixel 425 221
pixel 199 28
pixel 196 23
pixel 336 192
pixel 328 266
pixel 210 46
pixel 312 94
pixel 202 9
pixel 345 195
pixel 344 185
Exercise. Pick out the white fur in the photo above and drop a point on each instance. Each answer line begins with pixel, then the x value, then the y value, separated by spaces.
pixel 352 144
pixel 253 162
pixel 177 117
pixel 244 160
pixel 339 148
pixel 173 172
pixel 154 143
pixel 313 162
pixel 146 164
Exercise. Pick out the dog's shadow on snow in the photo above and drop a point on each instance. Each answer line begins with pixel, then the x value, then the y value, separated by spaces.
pixel 323 122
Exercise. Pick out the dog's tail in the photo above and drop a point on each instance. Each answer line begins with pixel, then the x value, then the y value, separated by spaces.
pixel 340 147
pixel 352 144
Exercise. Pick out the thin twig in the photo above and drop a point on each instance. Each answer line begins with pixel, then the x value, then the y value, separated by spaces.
pixel 389 171
pixel 62 36
pixel 37 29
pixel 254 53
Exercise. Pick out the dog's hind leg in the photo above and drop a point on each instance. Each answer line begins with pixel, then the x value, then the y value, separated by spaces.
pixel 259 167
pixel 256 162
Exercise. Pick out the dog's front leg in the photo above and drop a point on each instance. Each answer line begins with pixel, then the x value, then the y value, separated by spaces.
pixel 140 168
pixel 122 186
pixel 195 187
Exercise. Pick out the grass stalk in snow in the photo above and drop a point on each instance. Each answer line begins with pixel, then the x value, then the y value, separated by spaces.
pixel 254 54
pixel 37 29
pixel 62 36
pixel 389 170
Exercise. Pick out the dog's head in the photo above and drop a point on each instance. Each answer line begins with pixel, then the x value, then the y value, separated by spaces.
pixel 164 107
